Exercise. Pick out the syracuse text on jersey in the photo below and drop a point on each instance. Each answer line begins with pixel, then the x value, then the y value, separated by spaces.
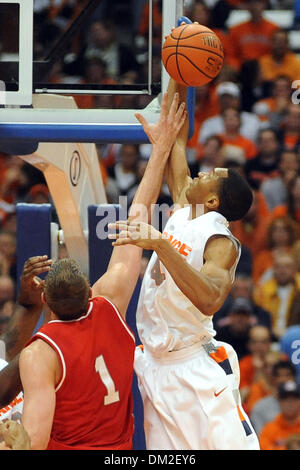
pixel 181 247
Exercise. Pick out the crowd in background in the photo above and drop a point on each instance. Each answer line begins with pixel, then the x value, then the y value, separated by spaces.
pixel 248 118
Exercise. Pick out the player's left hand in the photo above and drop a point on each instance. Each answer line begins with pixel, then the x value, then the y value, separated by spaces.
pixel 31 286
pixel 14 436
pixel 165 131
pixel 135 233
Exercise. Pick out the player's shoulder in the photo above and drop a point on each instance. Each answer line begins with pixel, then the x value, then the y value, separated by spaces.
pixel 101 302
pixel 221 250
pixel 37 350
pixel 105 306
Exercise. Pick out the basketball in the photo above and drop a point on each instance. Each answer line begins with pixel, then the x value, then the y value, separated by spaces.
pixel 192 54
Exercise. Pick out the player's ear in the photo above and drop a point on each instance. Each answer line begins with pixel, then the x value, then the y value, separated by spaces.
pixel 212 202
pixel 43 298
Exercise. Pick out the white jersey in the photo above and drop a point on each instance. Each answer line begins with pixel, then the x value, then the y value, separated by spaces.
pixel 14 409
pixel 166 318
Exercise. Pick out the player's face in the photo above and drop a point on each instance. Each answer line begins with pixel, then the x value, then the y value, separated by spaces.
pixel 205 184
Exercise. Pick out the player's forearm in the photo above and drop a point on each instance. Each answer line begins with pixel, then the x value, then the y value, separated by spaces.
pixel 20 329
pixel 39 437
pixel 177 167
pixel 204 292
pixel 150 186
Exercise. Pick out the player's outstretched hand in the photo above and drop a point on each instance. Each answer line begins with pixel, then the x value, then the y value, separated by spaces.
pixel 14 436
pixel 134 233
pixel 31 286
pixel 171 120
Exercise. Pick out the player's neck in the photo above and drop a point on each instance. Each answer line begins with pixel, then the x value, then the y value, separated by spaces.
pixel 197 210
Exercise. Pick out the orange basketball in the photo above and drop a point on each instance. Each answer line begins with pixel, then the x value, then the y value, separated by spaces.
pixel 192 54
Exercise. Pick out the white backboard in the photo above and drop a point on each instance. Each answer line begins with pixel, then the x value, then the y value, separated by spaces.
pixel 23 96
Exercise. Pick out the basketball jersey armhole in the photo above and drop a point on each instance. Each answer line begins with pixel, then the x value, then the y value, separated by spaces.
pixel 235 243
pixel 50 342
pixel 120 317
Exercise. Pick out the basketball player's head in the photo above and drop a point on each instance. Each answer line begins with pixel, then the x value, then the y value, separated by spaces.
pixel 222 190
pixel 67 290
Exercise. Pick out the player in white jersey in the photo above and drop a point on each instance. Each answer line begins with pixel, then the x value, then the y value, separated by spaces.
pixel 188 381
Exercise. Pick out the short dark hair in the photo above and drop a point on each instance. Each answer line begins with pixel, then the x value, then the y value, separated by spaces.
pixel 235 196
pixel 67 289
pixel 284 364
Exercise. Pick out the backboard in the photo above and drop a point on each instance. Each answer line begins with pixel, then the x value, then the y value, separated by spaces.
pixel 16 40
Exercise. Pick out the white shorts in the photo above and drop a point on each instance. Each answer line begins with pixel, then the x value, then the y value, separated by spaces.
pixel 191 400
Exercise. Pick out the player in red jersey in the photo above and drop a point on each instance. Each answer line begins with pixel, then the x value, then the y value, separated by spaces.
pixel 77 370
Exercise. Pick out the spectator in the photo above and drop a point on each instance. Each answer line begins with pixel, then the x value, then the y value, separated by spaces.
pixel 263 385
pixel 4 320
pixel 267 408
pixel 278 294
pixel 281 237
pixel 280 60
pixel 125 171
pixel 265 164
pixel 236 329
pixel 127 101
pixel 7 289
pixel 253 38
pixel 94 73
pixel 230 96
pixel 8 253
pixel 206 106
pixel 143 29
pixel 103 43
pixel 242 288
pixel 289 128
pixel 220 11
pixel 252 364
pixel 276 104
pixel 39 194
pixel 275 189
pixel 231 137
pixel 292 207
pixel 293 442
pixel 275 434
pixel 252 87
pixel 251 231
pixel 209 157
pixel 200 12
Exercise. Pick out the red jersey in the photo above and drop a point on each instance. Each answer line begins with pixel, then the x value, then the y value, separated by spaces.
pixel 94 405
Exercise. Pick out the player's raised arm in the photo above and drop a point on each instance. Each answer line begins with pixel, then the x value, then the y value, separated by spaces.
pixel 177 172
pixel 118 283
pixel 27 312
pixel 29 305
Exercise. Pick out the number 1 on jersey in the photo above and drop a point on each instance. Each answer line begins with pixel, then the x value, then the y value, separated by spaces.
pixel 112 394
